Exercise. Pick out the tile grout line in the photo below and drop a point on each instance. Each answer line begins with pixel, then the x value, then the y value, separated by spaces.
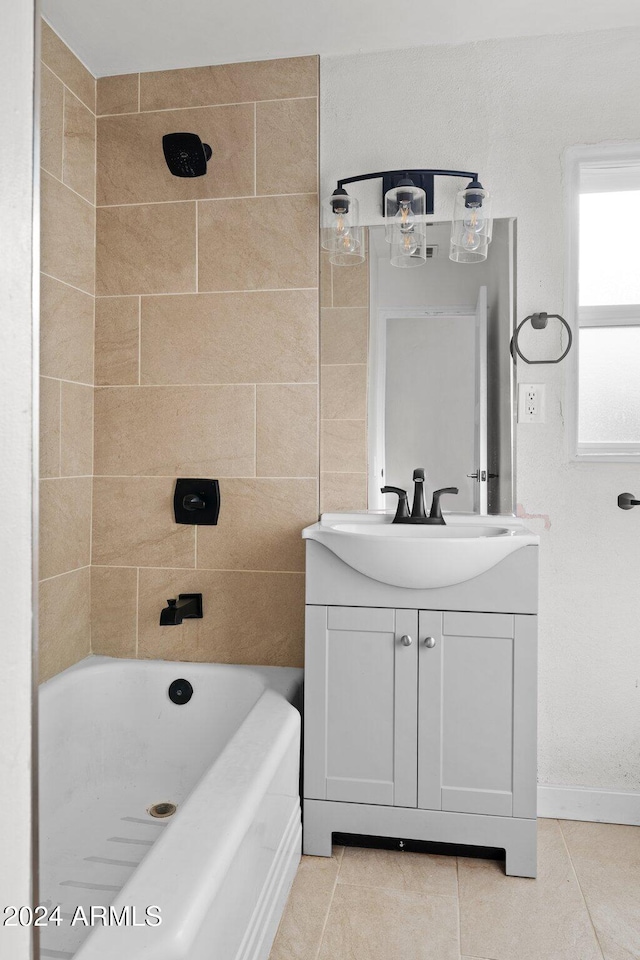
pixel 458 902
pixel 584 899
pixel 255 430
pixel 139 341
pixel 185 293
pixel 64 282
pixel 67 87
pixel 326 918
pixel 77 383
pixel 197 265
pixel 67 187
pixel 229 199
pixel 180 386
pixel 137 569
pixel 199 106
pixel 255 149
pixel 65 573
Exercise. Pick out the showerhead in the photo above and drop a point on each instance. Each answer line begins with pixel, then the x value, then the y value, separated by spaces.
pixel 186 154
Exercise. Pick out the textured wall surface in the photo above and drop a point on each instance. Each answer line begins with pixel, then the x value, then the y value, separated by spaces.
pixel 206 360
pixel 67 147
pixel 510 109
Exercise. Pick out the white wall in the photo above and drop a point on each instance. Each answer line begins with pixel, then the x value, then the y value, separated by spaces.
pixel 509 108
pixel 16 210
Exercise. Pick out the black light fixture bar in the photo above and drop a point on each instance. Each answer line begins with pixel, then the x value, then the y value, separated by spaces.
pixel 421 178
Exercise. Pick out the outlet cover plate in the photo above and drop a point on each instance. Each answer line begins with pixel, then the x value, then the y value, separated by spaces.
pixel 531 403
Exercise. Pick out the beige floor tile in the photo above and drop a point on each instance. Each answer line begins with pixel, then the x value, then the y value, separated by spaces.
pixel 65 525
pixel 76 430
pixel 512 918
pixel 131 166
pixel 51 121
pixel 117 94
pixel 79 166
pixel 343 491
pixel 64 622
pixel 370 924
pixel 116 340
pixel 344 334
pixel 287 146
pixel 259 525
pixel 606 858
pixel 114 610
pixel 146 248
pixel 343 391
pixel 66 235
pixel 302 924
pixel 66 332
pixel 287 430
pixel 49 427
pixel 248 617
pixel 229 83
pixel 65 65
pixel 242 338
pixel 134 525
pixel 278 237
pixel 175 431
pixel 405 872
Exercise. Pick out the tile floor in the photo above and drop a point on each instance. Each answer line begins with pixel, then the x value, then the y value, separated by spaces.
pixel 386 905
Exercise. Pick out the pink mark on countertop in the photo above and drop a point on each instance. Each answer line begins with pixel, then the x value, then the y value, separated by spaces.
pixel 522 513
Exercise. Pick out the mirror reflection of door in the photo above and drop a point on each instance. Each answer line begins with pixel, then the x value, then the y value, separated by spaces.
pixel 435 400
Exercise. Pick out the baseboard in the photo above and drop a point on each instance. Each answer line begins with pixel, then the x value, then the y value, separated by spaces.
pixel 589 803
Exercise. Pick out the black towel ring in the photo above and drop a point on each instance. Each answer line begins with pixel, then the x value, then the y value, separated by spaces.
pixel 539 322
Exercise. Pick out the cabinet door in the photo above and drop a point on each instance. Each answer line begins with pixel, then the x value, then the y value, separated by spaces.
pixel 477 713
pixel 361 705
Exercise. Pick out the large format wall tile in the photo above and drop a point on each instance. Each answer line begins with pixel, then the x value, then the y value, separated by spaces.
pixel 117 340
pixel 259 525
pixel 229 83
pixel 51 121
pixel 66 332
pixel 287 430
pixel 343 446
pixel 65 525
pixel 343 491
pixel 117 94
pixel 65 622
pixel 230 338
pixel 276 237
pixel 49 427
pixel 134 525
pixel 67 67
pixel 175 431
pixel 248 617
pixel 131 165
pixel 344 391
pixel 114 611
pixel 149 248
pixel 76 430
pixel 79 167
pixel 67 235
pixel 287 146
pixel 344 334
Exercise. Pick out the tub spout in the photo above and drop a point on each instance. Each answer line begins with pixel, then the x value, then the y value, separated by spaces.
pixel 187 606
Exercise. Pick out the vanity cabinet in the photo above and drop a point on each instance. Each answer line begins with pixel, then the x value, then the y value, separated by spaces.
pixel 420 722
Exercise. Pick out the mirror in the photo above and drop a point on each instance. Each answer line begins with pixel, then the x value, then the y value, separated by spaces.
pixel 416 371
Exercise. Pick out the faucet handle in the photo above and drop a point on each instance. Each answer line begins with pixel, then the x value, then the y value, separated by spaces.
pixel 418 473
pixel 403 502
pixel 435 514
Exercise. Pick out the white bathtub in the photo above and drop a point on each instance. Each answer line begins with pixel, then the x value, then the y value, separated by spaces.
pixel 112 744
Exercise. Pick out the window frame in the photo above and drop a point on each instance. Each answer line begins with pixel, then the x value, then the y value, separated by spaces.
pixel 615 155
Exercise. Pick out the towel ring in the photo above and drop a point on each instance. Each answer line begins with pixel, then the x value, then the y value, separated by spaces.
pixel 539 322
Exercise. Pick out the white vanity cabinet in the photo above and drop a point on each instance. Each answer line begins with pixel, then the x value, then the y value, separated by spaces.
pixel 420 713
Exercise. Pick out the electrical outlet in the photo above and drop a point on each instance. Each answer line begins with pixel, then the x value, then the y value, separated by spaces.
pixel 531 405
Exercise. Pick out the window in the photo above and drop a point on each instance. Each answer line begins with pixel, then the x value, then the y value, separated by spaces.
pixel 604 291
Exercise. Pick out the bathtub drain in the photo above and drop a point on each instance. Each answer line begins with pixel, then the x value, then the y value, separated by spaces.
pixel 161 810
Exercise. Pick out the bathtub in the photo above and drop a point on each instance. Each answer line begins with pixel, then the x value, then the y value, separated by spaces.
pixel 218 871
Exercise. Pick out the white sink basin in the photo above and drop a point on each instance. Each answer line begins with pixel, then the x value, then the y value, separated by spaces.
pixel 420 556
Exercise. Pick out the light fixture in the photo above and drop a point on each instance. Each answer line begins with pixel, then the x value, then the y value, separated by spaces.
pixel 407 199
pixel 472 226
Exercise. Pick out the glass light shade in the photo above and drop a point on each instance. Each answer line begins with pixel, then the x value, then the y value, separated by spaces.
pixel 404 210
pixel 348 250
pixel 340 216
pixel 472 225
pixel 411 251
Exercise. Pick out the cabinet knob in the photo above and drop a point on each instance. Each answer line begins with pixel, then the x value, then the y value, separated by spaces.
pixel 406 641
pixel 430 642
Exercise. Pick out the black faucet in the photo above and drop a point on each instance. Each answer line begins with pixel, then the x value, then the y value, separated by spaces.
pixel 186 607
pixel 418 514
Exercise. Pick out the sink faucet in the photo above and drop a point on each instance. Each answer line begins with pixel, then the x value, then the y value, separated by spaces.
pixel 418 514
pixel 187 606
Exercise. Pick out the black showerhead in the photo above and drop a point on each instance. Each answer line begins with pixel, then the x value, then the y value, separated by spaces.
pixel 186 154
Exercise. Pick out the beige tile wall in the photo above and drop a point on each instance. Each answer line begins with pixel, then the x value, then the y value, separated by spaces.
pixel 344 302
pixel 68 144
pixel 206 359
